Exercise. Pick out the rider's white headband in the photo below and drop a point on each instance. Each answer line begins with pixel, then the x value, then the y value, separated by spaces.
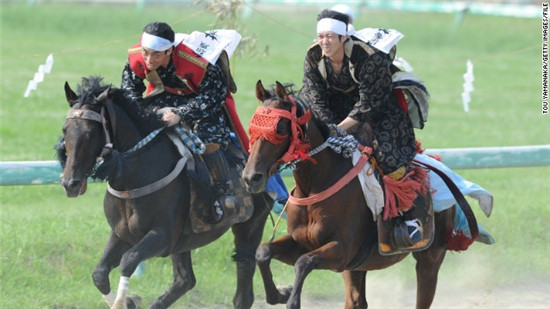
pixel 332 25
pixel 155 42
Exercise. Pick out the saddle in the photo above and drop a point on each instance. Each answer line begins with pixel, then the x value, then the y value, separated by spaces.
pixel 423 211
pixel 203 194
pixel 423 208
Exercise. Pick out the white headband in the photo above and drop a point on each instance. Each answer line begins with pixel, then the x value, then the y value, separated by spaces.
pixel 155 42
pixel 332 25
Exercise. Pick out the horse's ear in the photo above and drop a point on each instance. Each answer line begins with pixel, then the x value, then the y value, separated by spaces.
pixel 72 98
pixel 104 95
pixel 281 91
pixel 261 93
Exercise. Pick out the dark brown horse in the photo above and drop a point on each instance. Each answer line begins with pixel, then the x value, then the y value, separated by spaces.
pixel 102 123
pixel 338 233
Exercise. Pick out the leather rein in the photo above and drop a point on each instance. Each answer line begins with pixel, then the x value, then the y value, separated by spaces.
pixel 85 114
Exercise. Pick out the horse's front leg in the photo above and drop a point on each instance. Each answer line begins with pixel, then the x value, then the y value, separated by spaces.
pixel 154 243
pixel 247 237
pixel 329 256
pixel 355 289
pixel 184 280
pixel 114 249
pixel 284 249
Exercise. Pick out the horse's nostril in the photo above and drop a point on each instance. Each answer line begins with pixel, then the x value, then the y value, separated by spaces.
pixel 74 184
pixel 256 178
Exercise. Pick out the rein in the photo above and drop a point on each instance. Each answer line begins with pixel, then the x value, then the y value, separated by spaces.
pixel 337 186
pixel 134 193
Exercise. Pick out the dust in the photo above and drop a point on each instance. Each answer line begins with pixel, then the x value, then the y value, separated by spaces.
pixel 532 295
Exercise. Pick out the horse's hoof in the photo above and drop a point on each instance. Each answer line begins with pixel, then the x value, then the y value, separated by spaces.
pixel 263 253
pixel 283 294
pixel 133 301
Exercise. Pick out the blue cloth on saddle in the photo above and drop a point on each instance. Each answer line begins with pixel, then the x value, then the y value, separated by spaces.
pixel 276 188
pixel 443 198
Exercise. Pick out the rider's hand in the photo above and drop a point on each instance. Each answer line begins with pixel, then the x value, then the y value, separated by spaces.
pixel 349 124
pixel 171 118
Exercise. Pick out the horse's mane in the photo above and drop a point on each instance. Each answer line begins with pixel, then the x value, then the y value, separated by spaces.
pixel 302 105
pixel 88 90
pixel 93 86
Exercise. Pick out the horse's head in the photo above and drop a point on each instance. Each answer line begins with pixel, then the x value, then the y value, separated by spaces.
pixel 276 135
pixel 84 134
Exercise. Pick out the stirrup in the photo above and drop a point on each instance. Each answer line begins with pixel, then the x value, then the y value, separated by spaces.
pixel 406 233
pixel 217 211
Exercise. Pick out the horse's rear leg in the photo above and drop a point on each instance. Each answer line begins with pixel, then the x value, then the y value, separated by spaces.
pixel 184 280
pixel 428 263
pixel 114 249
pixel 247 238
pixel 355 289
pixel 277 249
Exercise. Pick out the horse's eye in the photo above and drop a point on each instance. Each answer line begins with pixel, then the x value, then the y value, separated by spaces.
pixel 281 128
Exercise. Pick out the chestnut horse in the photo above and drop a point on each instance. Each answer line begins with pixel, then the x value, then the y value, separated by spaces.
pixel 156 223
pixel 338 233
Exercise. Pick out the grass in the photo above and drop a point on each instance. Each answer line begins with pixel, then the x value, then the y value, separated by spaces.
pixel 49 244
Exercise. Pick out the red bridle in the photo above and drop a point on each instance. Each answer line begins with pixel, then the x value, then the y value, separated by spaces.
pixel 263 125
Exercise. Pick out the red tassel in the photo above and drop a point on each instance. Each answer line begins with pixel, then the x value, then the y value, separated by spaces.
pixel 419 148
pixel 401 194
pixel 458 241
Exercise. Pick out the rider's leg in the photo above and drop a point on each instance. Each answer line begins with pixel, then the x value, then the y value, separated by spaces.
pixel 409 230
pixel 219 170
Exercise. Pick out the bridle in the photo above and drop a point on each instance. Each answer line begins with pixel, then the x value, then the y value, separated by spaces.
pixel 263 125
pixel 87 114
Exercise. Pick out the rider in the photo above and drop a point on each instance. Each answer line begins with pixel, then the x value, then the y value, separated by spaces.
pixel 348 82
pixel 186 88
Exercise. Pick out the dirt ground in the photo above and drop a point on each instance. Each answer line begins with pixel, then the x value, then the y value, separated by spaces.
pixel 525 295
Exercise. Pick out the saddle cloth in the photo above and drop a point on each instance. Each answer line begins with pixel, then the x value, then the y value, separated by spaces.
pixel 441 195
pixel 374 196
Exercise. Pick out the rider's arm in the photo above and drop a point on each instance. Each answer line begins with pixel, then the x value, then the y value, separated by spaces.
pixel 314 92
pixel 375 86
pixel 134 86
pixel 348 124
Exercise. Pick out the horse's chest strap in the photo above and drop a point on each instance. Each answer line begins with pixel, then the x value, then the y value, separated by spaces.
pixel 151 188
pixel 321 196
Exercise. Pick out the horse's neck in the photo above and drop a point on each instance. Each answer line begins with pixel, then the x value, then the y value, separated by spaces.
pixel 315 176
pixel 125 132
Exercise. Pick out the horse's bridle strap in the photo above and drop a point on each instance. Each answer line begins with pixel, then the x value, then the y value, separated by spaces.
pixel 84 114
pixel 150 188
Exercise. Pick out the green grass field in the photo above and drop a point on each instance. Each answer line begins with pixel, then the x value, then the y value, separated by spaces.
pixel 49 244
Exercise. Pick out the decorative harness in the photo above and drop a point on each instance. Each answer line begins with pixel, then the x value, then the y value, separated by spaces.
pixel 86 114
pixel 263 125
